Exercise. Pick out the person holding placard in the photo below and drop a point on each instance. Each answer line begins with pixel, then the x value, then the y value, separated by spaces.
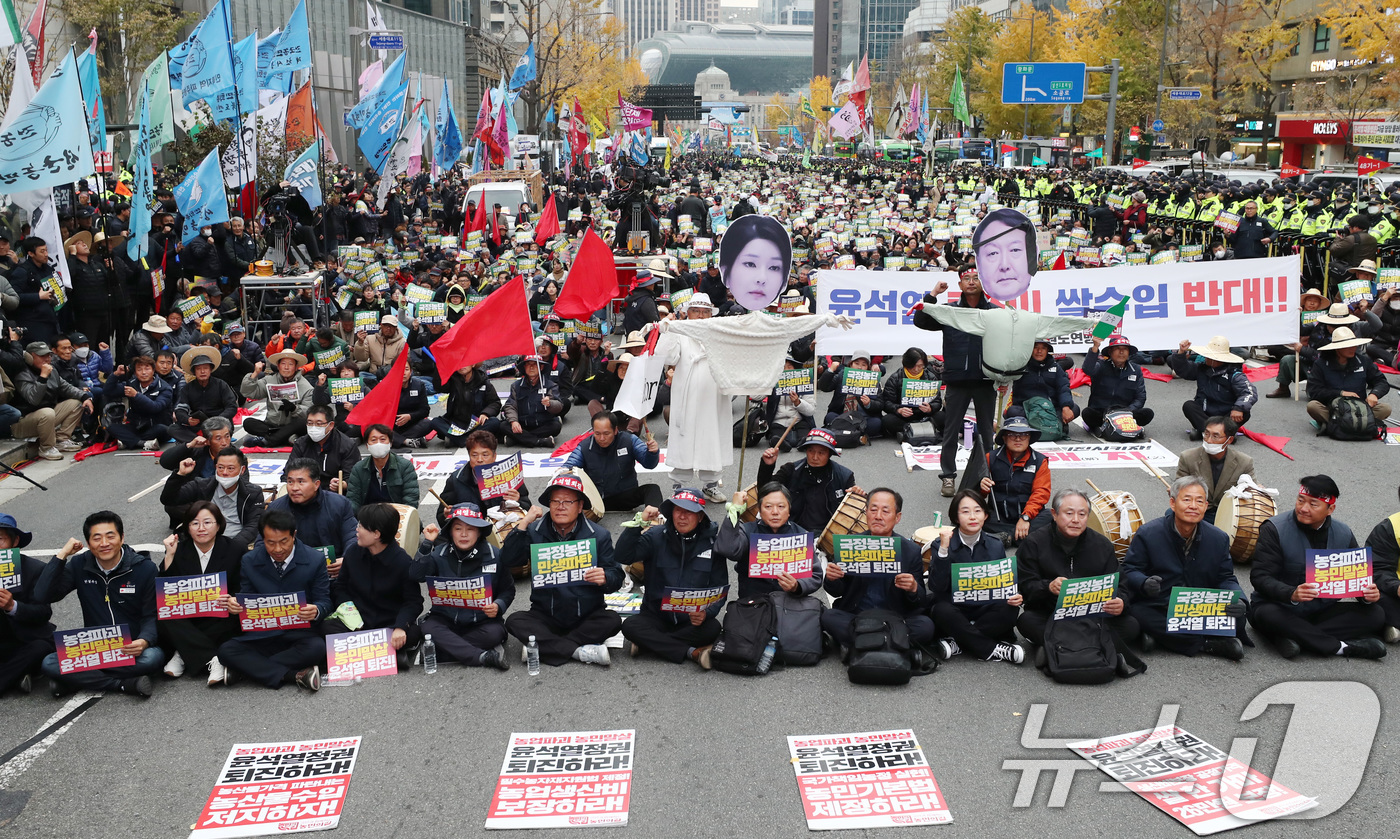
pixel 26 636
pixel 867 404
pixel 288 396
pixel 797 406
pixel 739 544
pixel 462 486
pixel 983 627
pixel 473 634
pixel 816 484
pixel 1116 383
pixel 378 581
pixel 203 549
pixel 899 409
pixel 857 586
pixel 472 403
pixel 1289 610
pixel 1182 550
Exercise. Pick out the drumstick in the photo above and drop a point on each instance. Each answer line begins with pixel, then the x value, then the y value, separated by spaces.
pixel 650 438
pixel 790 426
pixel 434 494
pixel 152 488
pixel 1093 487
pixel 1153 470
pixel 340 481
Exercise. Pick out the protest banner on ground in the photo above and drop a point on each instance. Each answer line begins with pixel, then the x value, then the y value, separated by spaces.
pixel 92 648
pixel 1200 611
pixel 876 556
pixel 352 656
pixel 771 557
pixel 194 596
pixel 984 582
pixel 1062 456
pixel 267 612
pixel 1084 597
pixel 1191 780
pixel 561 563
pixel 864 780
pixel 1338 574
pixel 275 788
pixel 10 576
pixel 1254 301
pixel 690 600
pixel 567 779
pixel 496 479
pixel 462 592
pixel 266 472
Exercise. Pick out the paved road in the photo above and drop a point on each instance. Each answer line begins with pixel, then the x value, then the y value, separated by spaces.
pixel 711 753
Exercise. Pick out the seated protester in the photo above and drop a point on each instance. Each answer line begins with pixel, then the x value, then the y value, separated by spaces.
pixel 1216 462
pixel 472 402
pixel 816 484
pixel 1043 388
pixel 1337 315
pixel 984 629
pixel 1115 385
pixel 556 369
pixel 677 552
pixel 1069 550
pixel 323 351
pixel 26 636
pixel 115 584
pixel 610 458
pixel 784 409
pixel 898 418
pixel 216 436
pixel 325 444
pixel 202 549
pixel 149 337
pixel 240 347
pixel 383 477
pixel 411 423
pixel 868 407
pixel 377 577
pixel 462 487
pixel 202 395
pixel 532 410
pixel 382 348
pixel 239 500
pixel 1018 483
pixel 1384 542
pixel 475 637
pixel 182 336
pixel 51 407
pixel 91 365
pixel 67 366
pixel 1287 610
pixel 566 621
pixel 323 519
pixel 138 406
pixel 639 309
pixel 288 396
pixel 167 372
pixel 774 519
pixel 233 364
pixel 1340 370
pixel 1181 549
pixel 280 564
pixel 1222 389
pixel 903 593
pixel 321 395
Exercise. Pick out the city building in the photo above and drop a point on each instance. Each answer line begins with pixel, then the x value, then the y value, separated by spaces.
pixel 706 11
pixel 758 59
pixel 642 18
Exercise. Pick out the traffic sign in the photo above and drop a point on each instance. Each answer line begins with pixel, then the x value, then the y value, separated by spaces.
pixel 1158 126
pixel 1042 83
pixel 1183 93
pixel 386 40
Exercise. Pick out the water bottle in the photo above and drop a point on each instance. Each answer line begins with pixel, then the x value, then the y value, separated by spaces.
pixel 532 657
pixel 766 660
pixel 968 428
pixel 429 655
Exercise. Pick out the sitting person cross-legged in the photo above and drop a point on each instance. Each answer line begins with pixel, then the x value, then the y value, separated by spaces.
pixel 377 577
pixel 610 458
pixel 984 629
pixel 474 636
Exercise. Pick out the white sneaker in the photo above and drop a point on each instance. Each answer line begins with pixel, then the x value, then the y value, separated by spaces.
pixel 1390 635
pixel 947 648
pixel 70 446
pixel 593 654
pixel 218 673
pixel 1011 653
pixel 151 446
pixel 715 494
pixel 51 453
pixel 175 667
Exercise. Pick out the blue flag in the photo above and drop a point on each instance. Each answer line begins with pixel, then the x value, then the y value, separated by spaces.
pixel 637 150
pixel 268 80
pixel 549 115
pixel 176 66
pixel 294 47
pixel 449 135
pixel 302 174
pixel 200 197
pixel 209 65
pixel 242 96
pixel 381 130
pixel 524 69
pixel 47 144
pixel 384 88
pixel 141 186
pixel 92 101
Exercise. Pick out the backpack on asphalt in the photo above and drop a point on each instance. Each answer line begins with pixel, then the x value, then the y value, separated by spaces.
pixel 1119 427
pixel 848 429
pixel 881 652
pixel 748 627
pixel 799 620
pixel 758 427
pixel 1080 651
pixel 1041 414
pixel 1351 419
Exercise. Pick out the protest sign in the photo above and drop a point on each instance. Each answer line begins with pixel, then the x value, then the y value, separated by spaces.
pixel 352 656
pixel 278 391
pixel 194 307
pixel 864 780
pixel 462 592
pixel 1229 222
pixel 1200 611
pixel 1388 278
pixel 918 392
pixel 1062 456
pixel 692 600
pixel 867 555
pixel 1354 291
pixel 802 381
pixel 431 312
pixel 1339 574
pixel 275 788
pixel 10 577
pixel 346 390
pixel 267 612
pixel 1190 780
pixel 860 382
pixel 92 648
pixel 496 479
pixel 327 553
pixel 1084 597
pixel 984 582
pixel 566 779
pixel 327 359
pixel 194 596
pixel 561 563
pixel 366 321
pixel 772 556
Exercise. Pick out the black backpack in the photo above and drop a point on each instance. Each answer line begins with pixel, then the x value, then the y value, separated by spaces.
pixel 881 653
pixel 1080 651
pixel 749 626
pixel 758 427
pixel 1351 419
pixel 848 429
pixel 799 621
pixel 1111 432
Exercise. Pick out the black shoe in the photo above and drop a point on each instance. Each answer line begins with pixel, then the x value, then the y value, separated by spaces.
pixel 1227 648
pixel 1280 392
pixel 1146 642
pixel 402 658
pixel 1365 648
pixel 1040 658
pixel 1193 434
pixel 495 658
pixel 310 678
pixel 60 690
pixel 139 686
pixel 26 685
pixel 1287 647
pixel 1123 670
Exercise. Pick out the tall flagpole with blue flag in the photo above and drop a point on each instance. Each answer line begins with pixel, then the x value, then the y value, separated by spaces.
pixel 200 197
pixel 142 187
pixel 448 148
pixel 48 143
pixel 524 71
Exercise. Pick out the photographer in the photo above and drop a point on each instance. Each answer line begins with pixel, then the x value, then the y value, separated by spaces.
pixel 633 190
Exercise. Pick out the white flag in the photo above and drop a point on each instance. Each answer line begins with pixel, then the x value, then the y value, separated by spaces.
pixel 375 18
pixel 22 92
pixel 240 160
pixel 638 392
pixel 44 223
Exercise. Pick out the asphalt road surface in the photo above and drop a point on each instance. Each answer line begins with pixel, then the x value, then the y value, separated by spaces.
pixel 711 752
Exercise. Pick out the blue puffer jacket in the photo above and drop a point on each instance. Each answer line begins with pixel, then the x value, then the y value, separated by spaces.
pixel 445 560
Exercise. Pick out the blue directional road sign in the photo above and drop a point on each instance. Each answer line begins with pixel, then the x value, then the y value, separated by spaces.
pixel 386 41
pixel 1183 93
pixel 1158 126
pixel 1042 83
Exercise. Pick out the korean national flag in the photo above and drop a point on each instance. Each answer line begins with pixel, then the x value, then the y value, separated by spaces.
pixel 47 144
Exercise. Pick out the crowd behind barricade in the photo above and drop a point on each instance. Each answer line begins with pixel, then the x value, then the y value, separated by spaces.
pixel 394 278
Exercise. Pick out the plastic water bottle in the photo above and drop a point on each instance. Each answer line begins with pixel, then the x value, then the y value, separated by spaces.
pixel 429 655
pixel 766 660
pixel 532 657
pixel 968 428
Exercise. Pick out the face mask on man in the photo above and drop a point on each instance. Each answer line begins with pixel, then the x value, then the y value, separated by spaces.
pixel 378 449
pixel 1213 448
pixel 317 432
pixel 82 352
pixel 227 481
pixel 1395 304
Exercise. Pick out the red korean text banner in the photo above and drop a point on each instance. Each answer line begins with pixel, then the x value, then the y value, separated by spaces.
pixel 275 788
pixel 869 779
pixel 569 779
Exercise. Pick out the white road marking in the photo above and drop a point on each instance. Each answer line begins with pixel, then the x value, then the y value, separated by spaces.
pixel 22 761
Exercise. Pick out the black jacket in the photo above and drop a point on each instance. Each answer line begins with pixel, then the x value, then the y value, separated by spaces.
pixel 855 594
pixel 92 286
pixel 1111 387
pixel 673 560
pixel 1245 239
pixel 227 557
pixel 183 490
pixel 1327 377
pixel 568 605
pixel 38 316
pixel 1043 378
pixel 126 595
pixel 215 399
pixel 382 587
pixel 1219 390
pixel 1158 549
pixel 639 309
pixel 445 560
pixel 30 622
pixel 962 351
pixel 337 453
pixel 469 399
pixel 940 569
pixel 816 493
pixel 1043 555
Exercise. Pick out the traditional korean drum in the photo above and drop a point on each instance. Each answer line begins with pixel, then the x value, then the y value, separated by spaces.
pixel 848 518
pixel 410 530
pixel 751 498
pixel 927 537
pixel 1115 515
pixel 1241 519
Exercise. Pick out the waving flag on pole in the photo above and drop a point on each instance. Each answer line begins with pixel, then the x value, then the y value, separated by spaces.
pixel 381 404
pixel 200 197
pixel 240 160
pixel 34 42
pixel 241 96
pixel 374 20
pixel 92 96
pixel 843 85
pixel 386 87
pixel 524 72
pixel 48 143
pixel 398 160
pixel 157 85
pixel 302 174
pixel 294 46
pixel 141 183
pixel 633 117
pixel 497 326
pixel 370 77
pixel 448 148
pixel 382 129
pixel 208 64
pixel 845 123
pixel 21 90
pixel 268 80
pixel 957 97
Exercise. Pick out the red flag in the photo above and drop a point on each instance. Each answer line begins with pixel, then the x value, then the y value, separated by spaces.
pixel 495 224
pixel 1269 441
pixel 862 79
pixel 569 445
pixel 591 283
pixel 122 189
pixel 478 219
pixel 381 404
pixel 1262 372
pixel 548 226
pixel 1288 170
pixel 1078 378
pixel 1138 163
pixel 248 199
pixel 495 327
pixel 1366 164
pixel 1156 377
pixel 1007 148
pixel 1060 263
